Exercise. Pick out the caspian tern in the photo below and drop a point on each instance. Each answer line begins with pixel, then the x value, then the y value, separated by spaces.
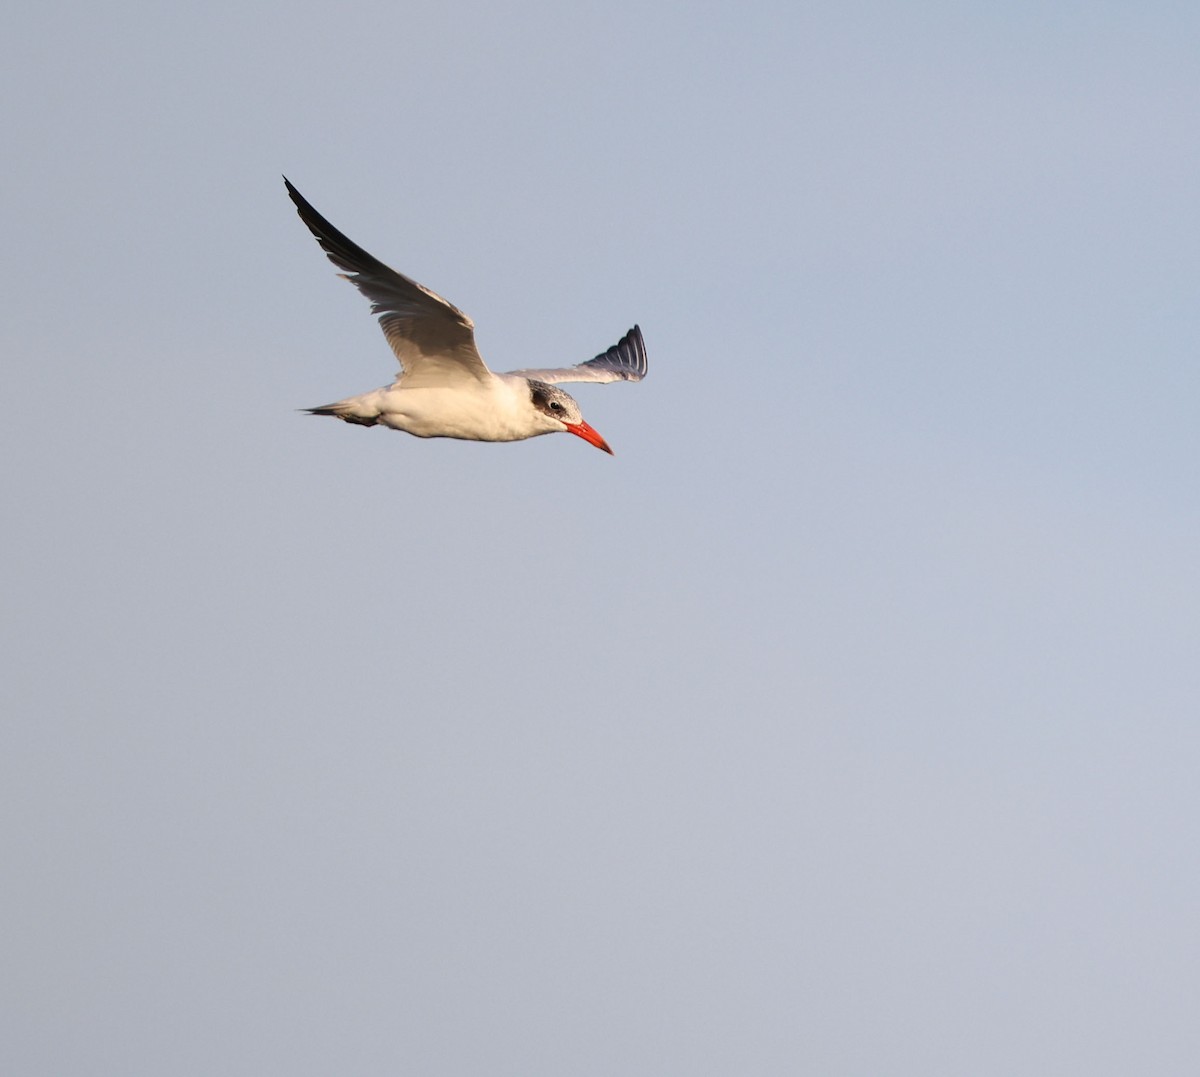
pixel 445 389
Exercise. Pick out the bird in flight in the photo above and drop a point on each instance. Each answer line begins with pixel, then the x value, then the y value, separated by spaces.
pixel 445 389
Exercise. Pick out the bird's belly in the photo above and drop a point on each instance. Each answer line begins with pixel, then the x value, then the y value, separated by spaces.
pixel 480 415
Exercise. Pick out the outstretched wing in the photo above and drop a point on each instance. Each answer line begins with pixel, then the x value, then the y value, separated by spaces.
pixel 433 339
pixel 624 361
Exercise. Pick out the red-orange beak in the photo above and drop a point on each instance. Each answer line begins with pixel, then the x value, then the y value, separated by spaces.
pixel 582 430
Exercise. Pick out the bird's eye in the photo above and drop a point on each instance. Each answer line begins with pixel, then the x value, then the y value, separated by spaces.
pixel 555 405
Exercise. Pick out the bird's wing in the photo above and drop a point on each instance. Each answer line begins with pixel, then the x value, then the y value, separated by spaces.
pixel 624 361
pixel 433 339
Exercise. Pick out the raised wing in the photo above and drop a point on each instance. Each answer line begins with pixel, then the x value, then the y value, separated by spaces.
pixel 624 361
pixel 433 339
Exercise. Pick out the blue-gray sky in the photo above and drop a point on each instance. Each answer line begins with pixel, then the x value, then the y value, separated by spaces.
pixel 844 722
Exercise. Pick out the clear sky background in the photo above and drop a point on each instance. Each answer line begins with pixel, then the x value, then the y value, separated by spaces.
pixel 844 722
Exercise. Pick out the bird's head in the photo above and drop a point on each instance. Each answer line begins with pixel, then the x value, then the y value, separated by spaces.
pixel 561 412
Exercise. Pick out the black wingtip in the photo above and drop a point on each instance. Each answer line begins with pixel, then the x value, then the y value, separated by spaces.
pixel 308 214
pixel 300 201
pixel 630 354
